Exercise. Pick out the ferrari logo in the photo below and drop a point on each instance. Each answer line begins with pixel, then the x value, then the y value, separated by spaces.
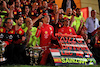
pixel 1 30
pixel 41 11
pixel 11 31
pixel 15 13
pixel 65 33
pixel 21 5
pixel 46 32
pixel 59 25
pixel 24 16
pixel 50 28
pixel 26 3
pixel 20 10
pixel 70 30
pixel 98 41
pixel 20 32
pixel 32 13
pixel 52 18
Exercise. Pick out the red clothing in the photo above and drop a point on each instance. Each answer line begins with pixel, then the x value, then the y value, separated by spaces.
pixel 6 36
pixel 47 34
pixel 58 26
pixel 67 30
pixel 17 11
pixel 18 35
pixel 52 18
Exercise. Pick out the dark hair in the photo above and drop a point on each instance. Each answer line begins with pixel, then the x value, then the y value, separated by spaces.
pixel 17 17
pixel 23 10
pixel 92 10
pixel 77 9
pixel 44 1
pixel 6 21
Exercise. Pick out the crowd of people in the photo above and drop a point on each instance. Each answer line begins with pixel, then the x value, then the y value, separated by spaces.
pixel 32 23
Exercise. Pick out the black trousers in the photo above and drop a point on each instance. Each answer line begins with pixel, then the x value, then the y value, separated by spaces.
pixel 19 54
pixel 96 54
pixel 89 35
pixel 9 53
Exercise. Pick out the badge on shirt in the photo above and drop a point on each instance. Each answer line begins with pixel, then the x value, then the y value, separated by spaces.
pixel 70 30
pixel 98 41
pixel 15 13
pixel 59 25
pixel 50 28
pixel 24 16
pixel 52 18
pixel 12 31
pixel 21 5
pixel 32 13
pixel 20 10
pixel 20 32
pixel 65 33
pixel 41 11
pixel 46 35
pixel 1 29
pixel 46 32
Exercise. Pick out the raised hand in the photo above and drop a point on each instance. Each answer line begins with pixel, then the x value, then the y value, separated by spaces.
pixel 40 24
pixel 12 6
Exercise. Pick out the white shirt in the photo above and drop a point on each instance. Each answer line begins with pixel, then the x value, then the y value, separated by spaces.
pixel 90 25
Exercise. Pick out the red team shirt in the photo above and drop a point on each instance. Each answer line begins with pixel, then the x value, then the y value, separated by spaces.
pixel 18 35
pixel 67 30
pixel 6 36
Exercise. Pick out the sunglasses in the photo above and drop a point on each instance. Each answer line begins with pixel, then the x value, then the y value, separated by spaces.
pixel 10 22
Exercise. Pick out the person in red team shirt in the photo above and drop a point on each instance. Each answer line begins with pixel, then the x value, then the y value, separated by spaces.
pixel 66 29
pixel 17 9
pixel 46 33
pixel 18 41
pixel 6 36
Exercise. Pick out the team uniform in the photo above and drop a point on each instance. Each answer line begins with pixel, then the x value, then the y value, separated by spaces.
pixel 19 46
pixel 58 26
pixel 46 33
pixel 33 39
pixel 78 19
pixel 67 30
pixel 7 36
pixel 17 11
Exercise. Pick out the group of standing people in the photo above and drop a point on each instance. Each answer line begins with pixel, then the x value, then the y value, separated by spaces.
pixel 29 23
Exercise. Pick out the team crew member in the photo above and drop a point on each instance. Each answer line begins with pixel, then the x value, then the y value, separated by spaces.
pixel 19 39
pixel 46 33
pixel 6 35
pixel 95 43
pixel 66 29
pixel 32 40
pixel 79 21
pixel 70 17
